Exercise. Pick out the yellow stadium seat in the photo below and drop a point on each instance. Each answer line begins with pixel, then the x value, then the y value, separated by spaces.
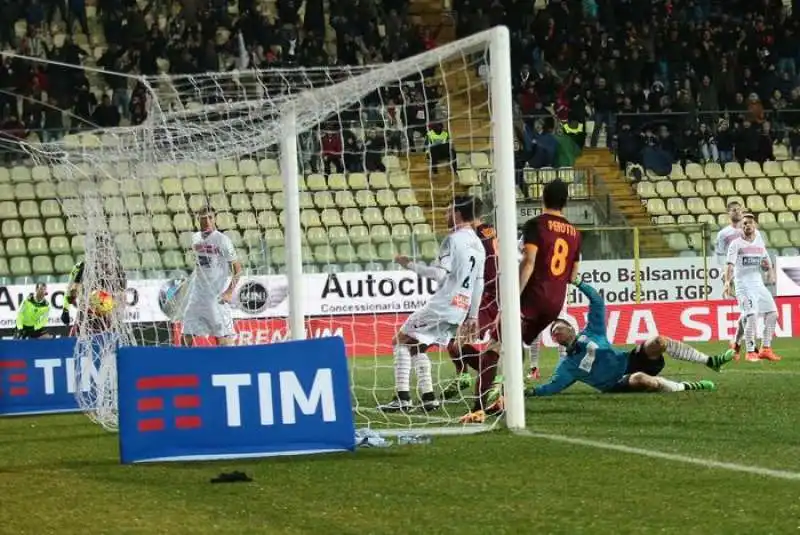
pixel 20 173
pixel 775 203
pixel 744 186
pixel 37 246
pixel 787 220
pixel 6 192
pixel 225 221
pixel 385 197
pixel 310 218
pixel 399 180
pixel 779 238
pixel 429 250
pixel 261 201
pixel 378 181
pixel 324 254
pixel 345 199
pixel 207 168
pixel 78 244
pixel 733 170
pixel 392 215
pixel 677 241
pixel 59 245
pixel 346 253
pixel 735 198
pixel 168 240
pixel 234 184
pixel 182 222
pixel 268 166
pixel 773 169
pixel 794 237
pixel 468 177
pixel 646 189
pixel 173 259
pixel 352 216
pixel 141 223
pixel 783 185
pixel 213 184
pixel 365 198
pixel 709 220
pixel 240 202
pixel 324 199
pixel 406 197
pixel 716 205
pixel 20 266
pixel 306 200
pixel 28 209
pixel 677 172
pixel 248 167
pixel 791 168
pixel 338 235
pixel 316 182
pixel 268 220
pixel 40 173
pixel 695 205
pixel 25 191
pixel 767 221
pixel 379 234
pixel 358 181
pixel 16 247
pixel 387 251
pixel 316 236
pixel 793 202
pixel 32 227
pixel 694 171
pixel 109 188
pixel 278 200
pixel 684 188
pixel 151 260
pixel 146 241
pixel 135 205
pixel 676 206
pixel 255 184
pixel 273 237
pixel 755 204
pixel 337 182
pixel 765 186
pixel 366 252
pixel 246 220
pixel 725 187
pixel 331 218
pixel 753 169
pixel 274 183
pixel 359 234
pixel 45 190
pixel 686 219
pixel 63 262
pixel 401 233
pixel 227 167
pixel 714 171
pixel 705 188
pixel 656 207
pixel 422 232
pixel 193 185
pixel 662 220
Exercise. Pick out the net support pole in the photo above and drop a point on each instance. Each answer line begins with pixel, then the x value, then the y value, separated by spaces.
pixel 292 229
pixel 506 221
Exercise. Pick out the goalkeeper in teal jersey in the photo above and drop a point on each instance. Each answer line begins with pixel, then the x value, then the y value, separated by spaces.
pixel 591 359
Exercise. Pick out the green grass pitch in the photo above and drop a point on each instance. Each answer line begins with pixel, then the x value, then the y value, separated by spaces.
pixel 60 474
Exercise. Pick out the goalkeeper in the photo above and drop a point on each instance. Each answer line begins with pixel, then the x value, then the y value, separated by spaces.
pixel 34 315
pixel 591 359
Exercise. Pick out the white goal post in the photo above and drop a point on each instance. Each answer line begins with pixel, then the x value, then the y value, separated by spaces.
pixel 212 138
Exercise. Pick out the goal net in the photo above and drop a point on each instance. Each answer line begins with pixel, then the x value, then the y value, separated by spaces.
pixel 369 188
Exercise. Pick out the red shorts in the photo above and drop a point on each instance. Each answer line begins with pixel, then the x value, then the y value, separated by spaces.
pixel 532 325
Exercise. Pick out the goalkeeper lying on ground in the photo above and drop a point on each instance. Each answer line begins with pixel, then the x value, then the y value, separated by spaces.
pixel 591 359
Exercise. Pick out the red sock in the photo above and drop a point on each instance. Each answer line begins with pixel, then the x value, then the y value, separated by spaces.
pixel 487 371
pixel 463 356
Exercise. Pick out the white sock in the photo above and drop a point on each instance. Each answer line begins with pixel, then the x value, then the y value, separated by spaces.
pixel 536 347
pixel 739 330
pixel 770 322
pixel 681 351
pixel 750 333
pixel 422 365
pixel 402 368
pixel 665 385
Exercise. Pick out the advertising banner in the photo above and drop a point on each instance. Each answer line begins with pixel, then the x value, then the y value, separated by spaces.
pixel 787 273
pixel 38 376
pixel 287 398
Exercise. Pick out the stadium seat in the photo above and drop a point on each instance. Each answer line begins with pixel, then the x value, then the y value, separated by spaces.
pixel 28 209
pixel 378 181
pixel 794 237
pixel 687 219
pixel 16 247
pixel 735 198
pixel 708 219
pixel 234 184
pixel 38 246
pixel 365 198
pixel 714 171
pixel 406 197
pixel 696 206
pixel 337 182
pixel 42 265
pixel 278 200
pixel 787 220
pixel 247 167
pixel 753 169
pixel 793 202
pixel 773 169
pixel 656 207
pixel 694 171
pixel 725 187
pixel 261 202
pixel 135 205
pixel 59 245
pixel 366 252
pixel 677 241
pixel 141 223
pixel 20 266
pixel 399 180
pixel 783 185
pixel 380 234
pixel 255 184
pixel 387 251
pixel 168 240
pixel 676 206
pixel 429 250
pixel 733 170
pixel 11 229
pixel 20 173
pixel 413 214
pixel 352 216
pixel 401 233
pixel 274 183
pixel 744 186
pixel 324 254
pixel 468 177
pixel 45 190
pixel 213 184
pixel 775 203
pixel 358 234
pixel 40 173
pixel 685 188
pixel 268 167
pixel 63 263
pixel 386 197
pixel 716 205
pixel 316 236
pixel 779 238
pixel 646 189
pixel 173 259
pixel 393 215
pixel 337 235
pixel 246 221
pixel 358 181
pixel 345 199
pixel 663 220
pixel 790 251
pixel 50 208
pixel 78 244
pixel 767 221
pixel 316 182
pixel 330 217
pixel 240 202
pixel 755 204
pixel 705 188
pixel 345 253
pixel 24 191
pixel 324 199
pixel 764 186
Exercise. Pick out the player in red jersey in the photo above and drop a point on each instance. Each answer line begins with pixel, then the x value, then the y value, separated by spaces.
pixel 551 251
pixel 466 355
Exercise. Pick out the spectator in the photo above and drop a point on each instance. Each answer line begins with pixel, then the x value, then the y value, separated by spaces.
pixel 440 148
pixel 332 152
pixel 106 114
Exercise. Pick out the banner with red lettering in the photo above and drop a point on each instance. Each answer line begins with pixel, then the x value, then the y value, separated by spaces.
pixel 692 321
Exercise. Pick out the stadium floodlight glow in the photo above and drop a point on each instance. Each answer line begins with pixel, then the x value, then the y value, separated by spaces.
pixel 247 143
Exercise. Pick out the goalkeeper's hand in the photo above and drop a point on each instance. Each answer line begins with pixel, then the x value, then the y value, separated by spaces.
pixel 65 319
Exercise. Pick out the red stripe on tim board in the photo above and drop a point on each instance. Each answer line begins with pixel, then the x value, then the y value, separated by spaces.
pixel 150 424
pixel 188 422
pixel 186 402
pixel 167 381
pixel 18 391
pixel 150 404
pixel 10 364
pixel 18 377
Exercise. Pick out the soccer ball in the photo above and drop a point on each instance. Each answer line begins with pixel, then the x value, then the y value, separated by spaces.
pixel 101 303
pixel 172 296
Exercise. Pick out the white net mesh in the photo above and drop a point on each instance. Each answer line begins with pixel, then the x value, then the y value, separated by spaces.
pixel 369 192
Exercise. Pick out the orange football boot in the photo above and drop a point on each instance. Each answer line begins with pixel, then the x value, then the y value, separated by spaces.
pixel 752 356
pixel 766 353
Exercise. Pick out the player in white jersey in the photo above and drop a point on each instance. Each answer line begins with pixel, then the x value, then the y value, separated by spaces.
pixel 211 286
pixel 724 238
pixel 747 259
pixel 452 312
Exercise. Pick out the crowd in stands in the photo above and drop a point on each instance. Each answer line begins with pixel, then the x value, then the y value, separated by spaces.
pixel 687 80
pixel 197 36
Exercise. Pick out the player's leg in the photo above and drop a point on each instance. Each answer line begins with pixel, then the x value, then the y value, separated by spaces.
pixel 736 342
pixel 224 331
pixel 195 324
pixel 642 382
pixel 766 306
pixel 654 349
pixel 747 306
pixel 464 356
pixel 534 349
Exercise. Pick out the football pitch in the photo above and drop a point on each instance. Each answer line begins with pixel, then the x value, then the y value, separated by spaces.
pixel 721 462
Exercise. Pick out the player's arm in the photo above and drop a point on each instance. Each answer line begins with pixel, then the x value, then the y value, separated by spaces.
pixel 23 313
pixel 530 246
pixel 438 270
pixel 766 263
pixel 229 254
pixel 596 320
pixel 727 279
pixel 561 380
pixel 477 289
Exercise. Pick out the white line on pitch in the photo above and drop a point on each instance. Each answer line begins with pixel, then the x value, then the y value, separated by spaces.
pixel 761 372
pixel 699 461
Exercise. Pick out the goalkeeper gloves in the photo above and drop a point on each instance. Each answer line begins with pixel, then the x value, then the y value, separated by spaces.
pixel 65 319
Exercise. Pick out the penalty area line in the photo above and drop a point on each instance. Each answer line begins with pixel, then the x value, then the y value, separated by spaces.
pixel 655 454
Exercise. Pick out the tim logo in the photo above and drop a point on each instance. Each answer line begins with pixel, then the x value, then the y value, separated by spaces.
pixel 13 378
pixel 167 400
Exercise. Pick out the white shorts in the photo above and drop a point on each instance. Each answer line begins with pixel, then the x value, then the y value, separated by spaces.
pixel 427 328
pixel 208 319
pixel 755 301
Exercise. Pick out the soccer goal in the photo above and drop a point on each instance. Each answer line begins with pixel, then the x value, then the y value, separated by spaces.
pixel 320 177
